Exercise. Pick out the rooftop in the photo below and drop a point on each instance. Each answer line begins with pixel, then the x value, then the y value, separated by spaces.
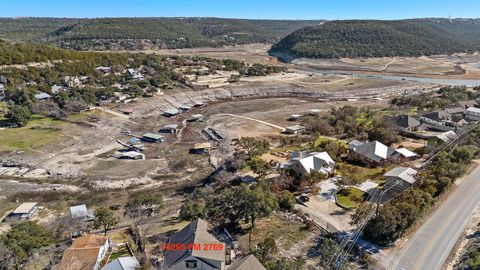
pixel 122 263
pixel 249 262
pixel 195 232
pixel 404 173
pixel 24 208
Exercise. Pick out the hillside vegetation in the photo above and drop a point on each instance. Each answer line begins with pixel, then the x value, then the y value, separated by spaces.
pixel 146 33
pixel 368 38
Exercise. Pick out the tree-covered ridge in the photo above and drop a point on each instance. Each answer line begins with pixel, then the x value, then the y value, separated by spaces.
pixel 370 38
pixel 138 33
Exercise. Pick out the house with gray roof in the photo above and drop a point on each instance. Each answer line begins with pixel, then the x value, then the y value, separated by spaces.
pixel 123 263
pixel 249 262
pixel 372 153
pixel 302 163
pixel 399 179
pixel 191 257
pixel 436 118
pixel 406 122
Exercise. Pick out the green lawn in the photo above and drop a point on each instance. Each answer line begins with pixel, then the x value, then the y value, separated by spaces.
pixel 39 132
pixel 349 198
pixel 358 174
pixel 122 251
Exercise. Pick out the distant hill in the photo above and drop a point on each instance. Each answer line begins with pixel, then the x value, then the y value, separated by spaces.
pixel 146 33
pixel 370 38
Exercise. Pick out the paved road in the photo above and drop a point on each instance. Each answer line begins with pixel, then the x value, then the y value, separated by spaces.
pixel 431 245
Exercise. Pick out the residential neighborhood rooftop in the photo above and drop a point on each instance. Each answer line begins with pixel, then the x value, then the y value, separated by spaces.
pixel 404 173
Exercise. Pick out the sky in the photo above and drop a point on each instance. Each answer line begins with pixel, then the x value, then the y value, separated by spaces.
pixel 252 9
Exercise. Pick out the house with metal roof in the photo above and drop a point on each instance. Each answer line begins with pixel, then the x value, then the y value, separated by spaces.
pixel 436 118
pixel 249 262
pixel 371 153
pixel 406 122
pixel 192 257
pixel 171 129
pixel 399 179
pixel 294 129
pixel 302 163
pixel 152 137
pixel 196 118
pixel 185 107
pixel 24 211
pixel 123 263
pixel 81 212
pixel 171 112
pixel 201 148
pixel 472 114
pixel 404 153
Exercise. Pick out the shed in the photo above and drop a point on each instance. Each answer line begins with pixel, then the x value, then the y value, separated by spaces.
pixel 129 155
pixel 24 211
pixel 294 117
pixel 152 137
pixel 314 111
pixel 201 148
pixel 196 118
pixel 171 112
pixel 185 107
pixel 294 129
pixel 42 95
pixel 405 153
pixel 81 212
pixel 171 128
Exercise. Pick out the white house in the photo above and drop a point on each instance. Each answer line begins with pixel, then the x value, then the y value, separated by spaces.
pixel 472 114
pixel 302 163
pixel 199 258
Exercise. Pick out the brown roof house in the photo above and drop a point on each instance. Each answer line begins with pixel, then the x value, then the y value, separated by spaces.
pixel 201 258
pixel 85 253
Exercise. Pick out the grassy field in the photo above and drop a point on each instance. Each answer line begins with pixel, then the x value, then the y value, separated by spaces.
pixel 39 132
pixel 349 198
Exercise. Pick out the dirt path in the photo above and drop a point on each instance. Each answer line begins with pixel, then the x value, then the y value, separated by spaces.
pixel 112 112
pixel 388 64
pixel 253 119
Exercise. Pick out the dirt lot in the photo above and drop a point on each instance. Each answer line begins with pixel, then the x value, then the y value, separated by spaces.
pixel 460 66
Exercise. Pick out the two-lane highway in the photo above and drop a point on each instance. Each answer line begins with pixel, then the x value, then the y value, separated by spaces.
pixel 431 245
